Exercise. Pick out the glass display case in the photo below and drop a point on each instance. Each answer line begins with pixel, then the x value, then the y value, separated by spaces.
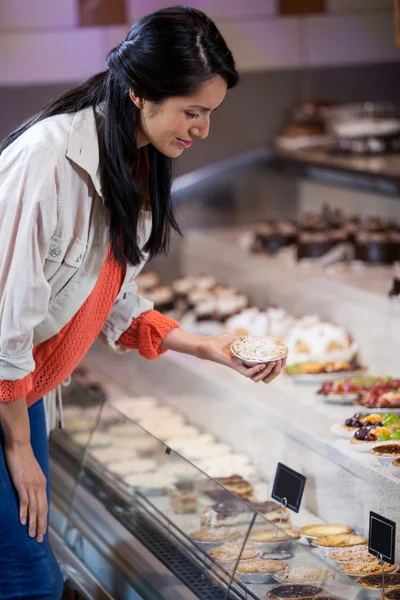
pixel 147 523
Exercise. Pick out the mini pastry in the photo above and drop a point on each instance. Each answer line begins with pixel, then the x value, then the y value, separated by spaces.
pixel 271 535
pixel 183 497
pixel 151 481
pixel 322 529
pixel 340 541
pixel 162 296
pixel 111 453
pixel 386 451
pixel 374 582
pixel 147 281
pixel 125 467
pixel 209 534
pixel 238 486
pixel 99 439
pixel 259 349
pixel 260 566
pixel 366 568
pixel 356 554
pixel 231 551
pixel 292 592
pixel 303 575
pixel 393 595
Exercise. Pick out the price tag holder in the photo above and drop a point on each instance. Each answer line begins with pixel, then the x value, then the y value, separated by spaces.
pixel 382 538
pixel 288 487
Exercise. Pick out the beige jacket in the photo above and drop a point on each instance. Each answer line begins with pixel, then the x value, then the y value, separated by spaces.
pixel 54 238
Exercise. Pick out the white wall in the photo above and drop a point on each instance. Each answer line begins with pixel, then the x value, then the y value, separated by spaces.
pixel 40 42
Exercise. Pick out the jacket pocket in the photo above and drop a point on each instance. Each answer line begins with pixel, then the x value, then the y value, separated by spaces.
pixel 64 258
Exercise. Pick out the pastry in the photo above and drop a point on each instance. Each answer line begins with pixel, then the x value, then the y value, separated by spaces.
pixel 230 512
pixel 292 592
pixel 259 349
pixel 111 453
pixel 237 485
pixel 147 281
pixel 303 575
pixel 386 451
pixel 162 296
pixel 322 529
pixel 231 551
pixel 209 534
pixel 260 566
pixel 366 568
pixel 183 496
pixel 392 581
pixel 317 347
pixel 151 481
pixel 344 540
pixel 273 535
pixel 99 439
pixel 356 554
pixel 125 467
pixel 393 595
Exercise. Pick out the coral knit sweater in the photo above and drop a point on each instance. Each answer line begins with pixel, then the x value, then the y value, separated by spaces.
pixel 56 358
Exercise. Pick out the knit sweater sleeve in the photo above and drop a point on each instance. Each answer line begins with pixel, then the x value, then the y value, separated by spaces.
pixel 146 334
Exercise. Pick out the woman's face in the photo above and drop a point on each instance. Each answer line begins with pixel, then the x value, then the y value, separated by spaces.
pixel 174 125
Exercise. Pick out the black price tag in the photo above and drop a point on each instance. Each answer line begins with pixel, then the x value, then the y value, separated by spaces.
pixel 288 487
pixel 382 537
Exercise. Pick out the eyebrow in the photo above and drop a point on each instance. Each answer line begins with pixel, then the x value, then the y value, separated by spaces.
pixel 203 107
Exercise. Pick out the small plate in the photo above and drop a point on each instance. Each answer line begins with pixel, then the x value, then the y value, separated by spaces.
pixel 340 431
pixel 371 409
pixel 255 578
pixel 321 377
pixel 342 399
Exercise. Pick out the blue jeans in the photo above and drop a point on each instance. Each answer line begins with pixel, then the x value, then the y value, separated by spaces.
pixel 28 570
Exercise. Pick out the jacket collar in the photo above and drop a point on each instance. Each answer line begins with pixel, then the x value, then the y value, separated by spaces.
pixel 83 145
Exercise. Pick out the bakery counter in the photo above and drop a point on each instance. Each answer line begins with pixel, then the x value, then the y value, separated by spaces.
pixel 281 422
pixel 356 299
pixel 150 524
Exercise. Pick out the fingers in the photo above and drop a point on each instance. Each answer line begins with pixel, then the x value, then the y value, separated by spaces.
pixel 32 525
pixel 274 372
pixel 266 370
pixel 41 515
pixel 249 372
pixel 34 510
pixel 23 506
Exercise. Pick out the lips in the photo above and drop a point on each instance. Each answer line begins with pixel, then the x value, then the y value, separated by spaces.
pixel 184 143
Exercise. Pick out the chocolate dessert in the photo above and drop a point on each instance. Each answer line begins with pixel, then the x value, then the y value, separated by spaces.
pixel 392 580
pixel 291 592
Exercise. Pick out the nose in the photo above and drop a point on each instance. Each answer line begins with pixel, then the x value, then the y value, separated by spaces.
pixel 201 131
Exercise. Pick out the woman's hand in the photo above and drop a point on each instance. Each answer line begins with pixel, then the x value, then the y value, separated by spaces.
pixel 30 484
pixel 217 349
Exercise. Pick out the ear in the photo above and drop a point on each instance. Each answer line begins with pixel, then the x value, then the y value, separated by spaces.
pixel 138 102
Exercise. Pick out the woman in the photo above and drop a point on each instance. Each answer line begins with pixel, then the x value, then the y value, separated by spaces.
pixel 84 201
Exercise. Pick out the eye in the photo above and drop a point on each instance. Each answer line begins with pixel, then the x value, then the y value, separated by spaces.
pixel 190 115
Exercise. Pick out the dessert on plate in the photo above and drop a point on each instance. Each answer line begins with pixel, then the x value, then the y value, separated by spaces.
pixel 271 535
pixel 355 554
pixel 323 529
pixel 374 582
pixel 303 575
pixel 292 592
pixel 316 347
pixel 361 569
pixel 210 534
pixel 231 551
pixel 343 540
pixel 182 496
pixel 257 349
pixel 259 571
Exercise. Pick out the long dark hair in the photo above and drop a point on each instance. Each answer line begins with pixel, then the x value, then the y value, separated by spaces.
pixel 172 52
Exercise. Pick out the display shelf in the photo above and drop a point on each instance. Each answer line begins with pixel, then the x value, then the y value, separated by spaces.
pixel 357 299
pixel 278 422
pixel 371 173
